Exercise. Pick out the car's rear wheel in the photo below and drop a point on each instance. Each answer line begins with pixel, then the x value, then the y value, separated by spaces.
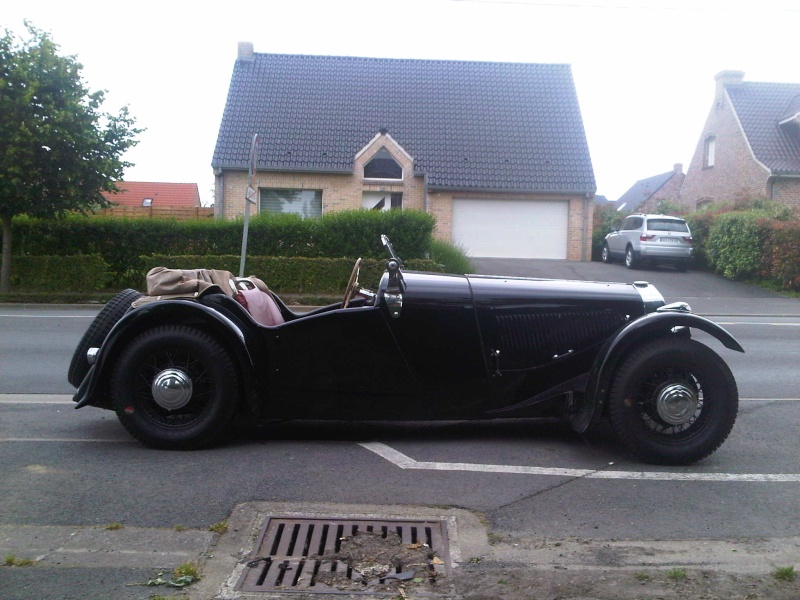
pixel 175 387
pixel 673 401
pixel 606 254
pixel 97 332
pixel 630 258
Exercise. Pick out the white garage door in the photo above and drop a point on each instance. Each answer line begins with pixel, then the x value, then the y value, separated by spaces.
pixel 511 228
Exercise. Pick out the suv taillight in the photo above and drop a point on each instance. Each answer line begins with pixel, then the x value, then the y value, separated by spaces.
pixel 646 238
pixel 689 240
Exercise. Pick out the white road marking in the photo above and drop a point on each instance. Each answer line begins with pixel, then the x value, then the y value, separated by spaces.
pixel 74 440
pixel 404 462
pixel 15 316
pixel 67 399
pixel 36 399
pixel 754 323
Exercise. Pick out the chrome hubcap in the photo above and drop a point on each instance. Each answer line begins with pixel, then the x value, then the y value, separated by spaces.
pixel 676 404
pixel 172 389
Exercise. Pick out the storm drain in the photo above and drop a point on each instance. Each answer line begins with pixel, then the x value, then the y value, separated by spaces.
pixel 368 556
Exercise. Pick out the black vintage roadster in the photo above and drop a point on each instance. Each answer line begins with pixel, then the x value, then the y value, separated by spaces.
pixel 422 346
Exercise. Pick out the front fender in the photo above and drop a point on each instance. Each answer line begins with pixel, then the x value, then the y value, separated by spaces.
pixel 641 330
pixel 93 390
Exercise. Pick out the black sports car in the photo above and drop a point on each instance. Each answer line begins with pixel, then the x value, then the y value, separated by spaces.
pixel 422 346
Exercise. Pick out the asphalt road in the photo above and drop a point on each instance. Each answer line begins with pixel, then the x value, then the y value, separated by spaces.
pixel 71 469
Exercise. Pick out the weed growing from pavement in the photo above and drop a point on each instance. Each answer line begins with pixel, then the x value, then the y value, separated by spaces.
pixel 13 561
pixel 219 528
pixel 676 574
pixel 183 575
pixel 188 569
pixel 784 573
pixel 114 526
pixel 642 577
pixel 179 528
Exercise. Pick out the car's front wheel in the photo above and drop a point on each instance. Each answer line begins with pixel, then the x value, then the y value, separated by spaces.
pixel 606 253
pixel 175 387
pixel 673 401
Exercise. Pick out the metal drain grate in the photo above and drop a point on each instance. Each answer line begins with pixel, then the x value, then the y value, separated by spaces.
pixel 315 556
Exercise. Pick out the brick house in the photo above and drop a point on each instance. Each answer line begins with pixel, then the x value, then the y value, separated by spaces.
pixel 750 144
pixel 645 194
pixel 495 151
pixel 152 194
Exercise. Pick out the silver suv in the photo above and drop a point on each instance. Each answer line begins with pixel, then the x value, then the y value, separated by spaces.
pixel 650 239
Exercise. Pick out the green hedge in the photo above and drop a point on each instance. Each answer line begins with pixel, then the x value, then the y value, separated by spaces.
pixel 120 242
pixel 762 242
pixel 59 273
pixel 294 275
pixel 735 243
pixel 782 256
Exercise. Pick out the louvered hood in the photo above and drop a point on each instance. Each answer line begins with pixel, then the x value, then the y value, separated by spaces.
pixel 532 322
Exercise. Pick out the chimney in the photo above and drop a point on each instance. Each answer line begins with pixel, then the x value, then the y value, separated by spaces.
pixel 245 51
pixel 677 168
pixel 724 78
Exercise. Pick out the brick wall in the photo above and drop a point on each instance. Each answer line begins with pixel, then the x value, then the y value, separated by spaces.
pixel 735 173
pixel 339 191
pixel 787 191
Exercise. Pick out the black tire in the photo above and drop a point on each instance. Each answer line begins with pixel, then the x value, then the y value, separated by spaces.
pixel 648 407
pixel 97 332
pixel 605 254
pixel 209 405
pixel 630 258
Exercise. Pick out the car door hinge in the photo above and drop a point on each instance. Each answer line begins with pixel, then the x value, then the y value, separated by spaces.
pixel 495 356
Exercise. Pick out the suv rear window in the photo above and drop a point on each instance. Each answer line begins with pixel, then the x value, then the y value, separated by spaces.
pixel 667 225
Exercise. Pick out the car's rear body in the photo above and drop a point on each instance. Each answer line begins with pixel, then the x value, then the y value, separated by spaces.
pixel 655 239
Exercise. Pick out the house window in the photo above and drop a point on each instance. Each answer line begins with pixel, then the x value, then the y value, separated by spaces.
pixel 710 152
pixel 383 166
pixel 381 200
pixel 306 203
pixel 147 202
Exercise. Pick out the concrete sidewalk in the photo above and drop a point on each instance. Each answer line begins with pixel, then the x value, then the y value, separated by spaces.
pixel 95 562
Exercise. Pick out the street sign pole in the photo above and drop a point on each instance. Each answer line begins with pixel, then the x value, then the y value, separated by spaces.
pixel 249 198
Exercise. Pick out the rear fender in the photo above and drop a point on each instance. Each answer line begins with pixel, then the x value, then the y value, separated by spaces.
pixel 639 331
pixel 236 338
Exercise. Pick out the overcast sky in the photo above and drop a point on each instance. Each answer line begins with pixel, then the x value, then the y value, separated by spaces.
pixel 644 70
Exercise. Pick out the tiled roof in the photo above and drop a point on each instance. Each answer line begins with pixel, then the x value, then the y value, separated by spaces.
pixel 641 191
pixel 132 193
pixel 760 108
pixel 468 125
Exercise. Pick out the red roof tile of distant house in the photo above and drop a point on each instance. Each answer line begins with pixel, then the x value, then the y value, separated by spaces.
pixel 145 193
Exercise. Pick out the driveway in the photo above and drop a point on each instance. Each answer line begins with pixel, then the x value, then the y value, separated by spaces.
pixel 708 294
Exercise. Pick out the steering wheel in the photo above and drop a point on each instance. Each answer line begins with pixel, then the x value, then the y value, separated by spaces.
pixel 352 285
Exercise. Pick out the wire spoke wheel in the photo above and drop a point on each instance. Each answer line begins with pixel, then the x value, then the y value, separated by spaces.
pixel 174 387
pixel 673 401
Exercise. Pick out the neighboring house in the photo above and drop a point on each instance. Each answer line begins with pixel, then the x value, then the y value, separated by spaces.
pixel 495 151
pixel 157 195
pixel 600 200
pixel 645 194
pixel 750 145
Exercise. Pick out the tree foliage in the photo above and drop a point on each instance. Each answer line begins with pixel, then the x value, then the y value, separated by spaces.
pixel 58 149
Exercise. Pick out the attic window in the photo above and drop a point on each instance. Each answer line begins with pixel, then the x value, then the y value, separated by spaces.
pixel 146 202
pixel 710 152
pixel 383 166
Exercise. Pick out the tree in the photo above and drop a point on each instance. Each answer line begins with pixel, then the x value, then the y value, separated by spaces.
pixel 58 150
